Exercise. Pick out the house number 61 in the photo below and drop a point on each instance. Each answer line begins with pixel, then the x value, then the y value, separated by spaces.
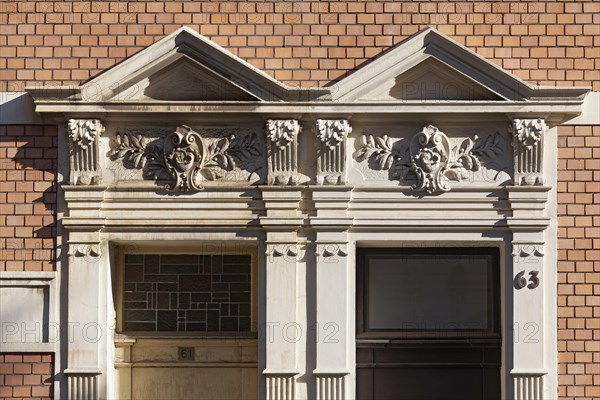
pixel 521 281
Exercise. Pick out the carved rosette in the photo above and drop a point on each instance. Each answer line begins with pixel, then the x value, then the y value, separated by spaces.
pixel 331 150
pixel 528 144
pixel 282 144
pixel 184 154
pixel 83 151
pixel 429 157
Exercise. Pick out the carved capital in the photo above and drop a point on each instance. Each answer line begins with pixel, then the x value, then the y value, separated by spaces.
pixel 84 155
pixel 89 251
pixel 528 132
pixel 331 150
pixel 528 145
pixel 282 146
pixel 83 132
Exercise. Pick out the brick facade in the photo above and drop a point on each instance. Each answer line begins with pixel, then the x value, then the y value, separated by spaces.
pixel 579 262
pixel 301 43
pixel 24 376
pixel 306 44
pixel 28 162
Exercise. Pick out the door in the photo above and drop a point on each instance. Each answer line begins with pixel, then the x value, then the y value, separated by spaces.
pixel 428 324
pixel 188 327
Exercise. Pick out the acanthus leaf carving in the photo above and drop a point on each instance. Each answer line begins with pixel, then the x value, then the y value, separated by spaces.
pixel 528 144
pixel 186 157
pixel 282 146
pixel 529 131
pixel 429 156
pixel 83 151
pixel 83 132
pixel 331 150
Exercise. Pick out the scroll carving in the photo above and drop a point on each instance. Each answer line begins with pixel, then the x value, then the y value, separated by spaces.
pixel 429 156
pixel 528 144
pixel 282 143
pixel 331 150
pixel 187 158
pixel 332 250
pixel 83 151
pixel 89 251
pixel 429 159
pixel 283 250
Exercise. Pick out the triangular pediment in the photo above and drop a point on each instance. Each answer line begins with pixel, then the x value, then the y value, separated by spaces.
pixel 431 66
pixel 186 72
pixel 186 66
pixel 183 79
pixel 431 80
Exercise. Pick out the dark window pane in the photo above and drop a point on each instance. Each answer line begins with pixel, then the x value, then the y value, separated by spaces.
pixel 187 293
pixel 428 290
pixel 428 293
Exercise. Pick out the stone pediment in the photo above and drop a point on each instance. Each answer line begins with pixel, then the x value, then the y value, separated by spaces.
pixel 431 80
pixel 186 73
pixel 183 66
pixel 183 79
pixel 430 66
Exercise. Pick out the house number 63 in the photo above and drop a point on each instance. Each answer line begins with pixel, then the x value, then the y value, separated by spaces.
pixel 521 281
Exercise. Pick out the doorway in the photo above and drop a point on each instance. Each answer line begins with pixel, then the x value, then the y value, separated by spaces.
pixel 428 323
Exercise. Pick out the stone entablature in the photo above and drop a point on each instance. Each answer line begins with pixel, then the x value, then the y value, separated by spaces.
pixel 185 159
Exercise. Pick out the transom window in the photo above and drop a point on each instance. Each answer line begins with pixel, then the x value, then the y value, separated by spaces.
pixel 423 291
pixel 187 293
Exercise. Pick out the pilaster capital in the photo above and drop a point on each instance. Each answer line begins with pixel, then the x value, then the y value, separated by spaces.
pixel 331 150
pixel 528 145
pixel 282 150
pixel 84 155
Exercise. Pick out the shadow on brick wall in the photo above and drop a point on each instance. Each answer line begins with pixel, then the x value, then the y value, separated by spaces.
pixel 28 171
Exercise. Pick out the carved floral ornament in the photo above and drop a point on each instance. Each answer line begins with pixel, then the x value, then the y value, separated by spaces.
pixel 331 150
pixel 282 151
pixel 185 156
pixel 332 133
pixel 528 143
pixel 83 132
pixel 529 131
pixel 282 133
pixel 429 156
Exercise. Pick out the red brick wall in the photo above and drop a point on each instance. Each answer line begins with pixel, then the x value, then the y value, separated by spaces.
pixel 28 158
pixel 579 262
pixel 26 376
pixel 300 42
